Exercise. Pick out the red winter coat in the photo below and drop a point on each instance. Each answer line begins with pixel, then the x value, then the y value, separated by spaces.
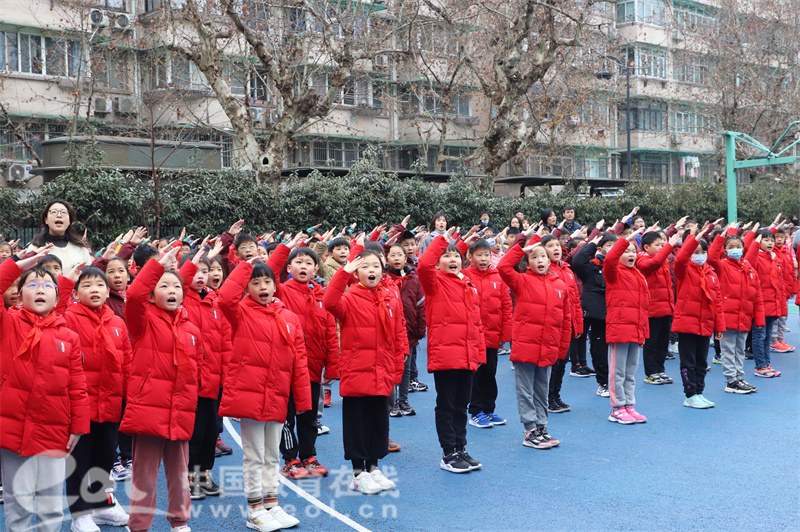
pixel 42 393
pixel 413 299
pixel 496 309
pixel 542 317
pixel 566 274
pixel 659 281
pixel 319 326
pixel 627 299
pixel 453 315
pixel 267 362
pixel 699 307
pixel 787 268
pixel 373 350
pixel 205 314
pixel 107 371
pixel 741 291
pixel 770 276
pixel 162 391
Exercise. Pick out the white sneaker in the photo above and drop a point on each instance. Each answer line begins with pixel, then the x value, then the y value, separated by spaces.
pixel 114 516
pixel 262 521
pixel 285 520
pixel 84 523
pixel 184 528
pixel 382 481
pixel 366 484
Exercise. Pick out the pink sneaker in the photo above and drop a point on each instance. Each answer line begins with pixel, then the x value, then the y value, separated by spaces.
pixel 775 372
pixel 635 415
pixel 764 372
pixel 620 415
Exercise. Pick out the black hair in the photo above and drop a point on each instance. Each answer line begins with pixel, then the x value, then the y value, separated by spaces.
pixel 703 244
pixel 370 253
pixel 606 238
pixel 569 208
pixel 222 264
pixel 260 269
pixel 481 243
pixel 436 216
pixel 397 245
pixel 91 272
pixel 241 238
pixel 650 237
pixel 546 213
pixel 548 238
pixel 451 248
pixel 143 253
pixel 407 235
pixel 573 243
pixel 43 237
pixel 519 221
pixel 37 272
pixel 689 222
pixel 177 275
pixel 546 228
pixel 5 244
pixel 730 238
pixel 374 246
pixel 637 217
pixel 49 258
pixel 765 234
pixel 780 231
pixel 486 213
pixel 191 256
pixel 336 242
pixel 272 246
pixel 303 252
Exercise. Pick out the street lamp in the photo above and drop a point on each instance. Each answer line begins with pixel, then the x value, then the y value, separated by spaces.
pixel 604 74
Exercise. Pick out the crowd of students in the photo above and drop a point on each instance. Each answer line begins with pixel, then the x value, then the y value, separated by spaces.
pixel 109 369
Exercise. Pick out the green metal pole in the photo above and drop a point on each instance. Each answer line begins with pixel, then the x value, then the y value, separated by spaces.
pixel 730 157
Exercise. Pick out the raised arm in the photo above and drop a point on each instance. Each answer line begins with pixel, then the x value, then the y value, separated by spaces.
pixel 336 288
pixel 230 293
pixel 426 268
pixel 684 256
pixel 611 263
pixel 506 267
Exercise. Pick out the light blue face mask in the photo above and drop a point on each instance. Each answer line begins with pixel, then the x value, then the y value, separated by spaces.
pixel 735 253
pixel 699 259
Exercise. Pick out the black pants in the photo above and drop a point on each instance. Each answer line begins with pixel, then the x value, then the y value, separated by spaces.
pixel 693 350
pixel 220 425
pixel 557 377
pixel 655 348
pixel 124 442
pixel 598 348
pixel 577 348
pixel 304 444
pixel 365 427
pixel 94 456
pixel 453 391
pixel 484 385
pixel 204 438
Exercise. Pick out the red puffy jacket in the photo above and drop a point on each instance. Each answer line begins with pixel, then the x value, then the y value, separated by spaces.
pixel 374 342
pixel 566 274
pixel 107 370
pixel 453 314
pixel 162 391
pixel 768 267
pixel 319 326
pixel 699 307
pixel 496 309
pixel 542 317
pixel 205 314
pixel 268 362
pixel 741 291
pixel 413 299
pixel 42 393
pixel 788 271
pixel 656 272
pixel 627 299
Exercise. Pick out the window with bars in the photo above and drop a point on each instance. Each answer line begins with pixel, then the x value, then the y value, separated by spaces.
pixel 545 165
pixel 693 68
pixel 591 167
pixel 645 115
pixel 236 75
pixel 37 54
pixel 692 122
pixel 690 18
pixel 647 11
pixel 436 39
pixel 342 154
pixel 12 148
pixel 111 69
pixel 649 62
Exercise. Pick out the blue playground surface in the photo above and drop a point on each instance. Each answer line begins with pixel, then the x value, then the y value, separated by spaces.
pixel 732 467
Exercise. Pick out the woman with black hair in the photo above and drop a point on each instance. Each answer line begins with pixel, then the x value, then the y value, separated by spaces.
pixel 57 220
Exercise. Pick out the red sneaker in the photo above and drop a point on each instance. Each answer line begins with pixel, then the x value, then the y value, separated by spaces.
pixel 314 468
pixel 775 372
pixel 294 470
pixel 327 402
pixel 222 448
pixel 394 447
pixel 787 346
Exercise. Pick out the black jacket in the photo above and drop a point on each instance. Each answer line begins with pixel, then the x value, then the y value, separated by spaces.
pixel 590 271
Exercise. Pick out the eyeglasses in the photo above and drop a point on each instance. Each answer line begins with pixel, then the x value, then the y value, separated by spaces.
pixel 54 212
pixel 35 285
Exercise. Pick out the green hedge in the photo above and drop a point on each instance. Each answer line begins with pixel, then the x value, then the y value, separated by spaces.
pixel 110 202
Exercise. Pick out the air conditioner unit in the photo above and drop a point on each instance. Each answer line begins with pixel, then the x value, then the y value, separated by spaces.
pixel 103 106
pixel 123 22
pixel 98 18
pixel 19 173
pixel 273 116
pixel 678 36
pixel 676 139
pixel 127 106
pixel 257 114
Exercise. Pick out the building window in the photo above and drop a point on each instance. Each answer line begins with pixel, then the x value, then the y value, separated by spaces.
pixel 648 62
pixel 186 75
pixel 544 165
pixel 8 50
pixel 652 166
pixel 35 54
pixel 30 53
pixel 591 167
pixel 693 68
pixel 436 39
pixel 339 154
pixel 236 76
pixel 645 115
pixel 693 18
pixel 692 122
pixel 648 11
pixel 111 69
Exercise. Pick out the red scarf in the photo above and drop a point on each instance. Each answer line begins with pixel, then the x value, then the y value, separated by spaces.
pixel 102 341
pixel 179 355
pixel 274 311
pixel 381 299
pixel 704 283
pixel 28 346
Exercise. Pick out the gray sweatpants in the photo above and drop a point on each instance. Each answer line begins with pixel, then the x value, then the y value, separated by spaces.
pixel 533 386
pixel 778 330
pixel 33 486
pixel 732 357
pixel 623 359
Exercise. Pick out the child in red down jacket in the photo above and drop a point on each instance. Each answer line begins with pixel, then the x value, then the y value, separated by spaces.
pixel 162 391
pixel 496 318
pixel 303 296
pixel 268 365
pixel 698 315
pixel 783 252
pixel 627 326
pixel 106 350
pixel 541 335
pixel 203 310
pixel 43 402
pixel 374 348
pixel 456 346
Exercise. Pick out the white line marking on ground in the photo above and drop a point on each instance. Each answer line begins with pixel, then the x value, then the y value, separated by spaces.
pixel 299 491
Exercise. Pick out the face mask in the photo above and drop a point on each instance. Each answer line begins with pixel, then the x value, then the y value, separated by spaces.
pixel 699 259
pixel 735 253
pixel 484 222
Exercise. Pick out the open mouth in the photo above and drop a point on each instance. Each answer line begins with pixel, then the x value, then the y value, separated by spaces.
pixel 371 277
pixel 94 299
pixel 172 300
pixel 263 296
pixel 40 301
pixel 453 267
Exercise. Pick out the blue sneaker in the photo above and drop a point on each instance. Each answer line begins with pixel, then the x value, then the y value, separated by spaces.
pixel 717 359
pixel 495 419
pixel 481 421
